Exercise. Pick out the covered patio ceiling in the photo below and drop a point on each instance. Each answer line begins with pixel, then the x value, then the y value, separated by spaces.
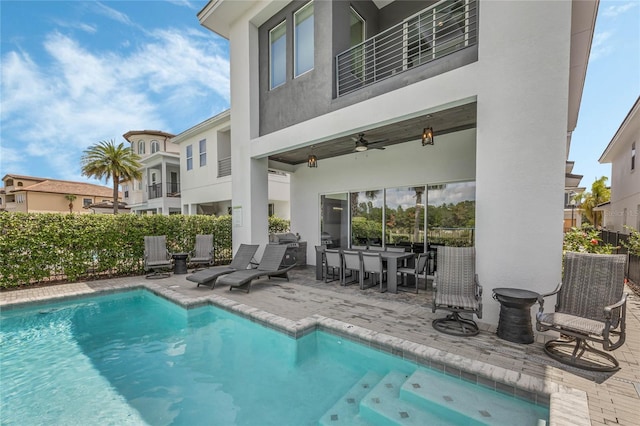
pixel 454 119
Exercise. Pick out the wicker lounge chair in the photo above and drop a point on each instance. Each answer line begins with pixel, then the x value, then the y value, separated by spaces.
pixel 590 306
pixel 202 253
pixel 240 261
pixel 270 266
pixel 456 289
pixel 156 257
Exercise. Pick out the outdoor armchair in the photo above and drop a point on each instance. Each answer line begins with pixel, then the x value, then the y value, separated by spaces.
pixel 456 289
pixel 590 307
pixel 156 256
pixel 202 253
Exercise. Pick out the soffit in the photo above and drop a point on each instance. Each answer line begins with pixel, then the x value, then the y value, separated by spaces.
pixel 446 121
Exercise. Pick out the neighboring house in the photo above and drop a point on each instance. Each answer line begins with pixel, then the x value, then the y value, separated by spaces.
pixel 473 101
pixel 623 208
pixel 106 207
pixel 572 212
pixel 31 194
pixel 158 192
pixel 205 171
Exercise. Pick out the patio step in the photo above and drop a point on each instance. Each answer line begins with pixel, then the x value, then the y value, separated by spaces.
pixel 346 410
pixel 384 406
pixel 472 404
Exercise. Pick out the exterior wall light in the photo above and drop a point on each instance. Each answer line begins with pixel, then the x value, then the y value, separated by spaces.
pixel 312 161
pixel 427 136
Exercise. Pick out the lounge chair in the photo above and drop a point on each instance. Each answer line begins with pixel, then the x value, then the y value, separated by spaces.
pixel 590 307
pixel 270 266
pixel 456 289
pixel 240 261
pixel 202 253
pixel 156 257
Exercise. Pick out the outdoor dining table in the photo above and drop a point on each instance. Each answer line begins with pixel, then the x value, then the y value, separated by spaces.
pixel 390 257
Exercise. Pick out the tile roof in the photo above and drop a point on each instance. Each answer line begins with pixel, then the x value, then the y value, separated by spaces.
pixel 68 187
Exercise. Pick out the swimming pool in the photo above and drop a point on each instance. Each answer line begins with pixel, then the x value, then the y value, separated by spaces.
pixel 135 358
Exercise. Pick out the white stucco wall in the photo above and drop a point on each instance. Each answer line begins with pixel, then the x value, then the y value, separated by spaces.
pixel 625 184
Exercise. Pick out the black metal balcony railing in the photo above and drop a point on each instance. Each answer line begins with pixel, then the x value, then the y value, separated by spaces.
pixel 172 190
pixel 441 29
pixel 224 167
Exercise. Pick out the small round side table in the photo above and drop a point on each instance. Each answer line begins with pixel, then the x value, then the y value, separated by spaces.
pixel 180 263
pixel 515 314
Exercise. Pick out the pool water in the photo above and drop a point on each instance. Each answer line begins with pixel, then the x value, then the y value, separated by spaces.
pixel 135 358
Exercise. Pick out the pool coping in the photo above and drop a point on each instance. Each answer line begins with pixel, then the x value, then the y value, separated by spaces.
pixel 567 406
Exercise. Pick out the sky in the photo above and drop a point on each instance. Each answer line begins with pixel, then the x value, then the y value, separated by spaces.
pixel 74 73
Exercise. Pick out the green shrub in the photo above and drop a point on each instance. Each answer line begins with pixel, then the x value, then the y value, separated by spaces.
pixel 277 225
pixel 585 240
pixel 36 248
pixel 633 243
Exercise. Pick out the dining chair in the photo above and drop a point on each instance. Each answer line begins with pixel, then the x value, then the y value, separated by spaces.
pixel 418 271
pixel 376 248
pixel 333 262
pixel 372 265
pixel 358 247
pixel 352 263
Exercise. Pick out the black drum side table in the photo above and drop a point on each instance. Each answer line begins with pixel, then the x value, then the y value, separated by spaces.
pixel 515 314
pixel 180 263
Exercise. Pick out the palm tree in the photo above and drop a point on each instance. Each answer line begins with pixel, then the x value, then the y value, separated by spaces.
pixel 106 160
pixel 71 198
pixel 590 200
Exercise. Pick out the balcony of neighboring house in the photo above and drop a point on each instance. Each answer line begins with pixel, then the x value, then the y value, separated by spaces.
pixel 167 189
pixel 224 167
pixel 422 38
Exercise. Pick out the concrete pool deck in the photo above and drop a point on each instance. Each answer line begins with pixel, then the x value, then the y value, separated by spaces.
pixel 401 324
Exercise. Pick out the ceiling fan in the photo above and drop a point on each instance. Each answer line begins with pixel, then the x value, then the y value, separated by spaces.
pixel 362 144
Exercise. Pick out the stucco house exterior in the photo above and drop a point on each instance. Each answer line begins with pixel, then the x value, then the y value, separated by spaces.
pixel 623 208
pixel 473 102
pixel 206 174
pixel 159 190
pixel 31 194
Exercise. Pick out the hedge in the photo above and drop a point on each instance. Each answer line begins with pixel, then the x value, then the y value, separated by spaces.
pixel 37 248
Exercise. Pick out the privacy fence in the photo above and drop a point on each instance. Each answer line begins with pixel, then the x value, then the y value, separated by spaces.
pixel 616 239
pixel 38 248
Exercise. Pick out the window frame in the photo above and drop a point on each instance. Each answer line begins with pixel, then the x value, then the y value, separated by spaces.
pixel 189 157
pixel 155 146
pixel 271 62
pixel 202 148
pixel 633 156
pixel 298 12
pixel 141 147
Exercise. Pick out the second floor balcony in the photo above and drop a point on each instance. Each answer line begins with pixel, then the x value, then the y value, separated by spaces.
pixel 439 30
pixel 171 189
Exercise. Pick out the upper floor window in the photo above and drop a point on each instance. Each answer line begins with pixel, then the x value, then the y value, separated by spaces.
pixel 278 55
pixel 303 39
pixel 633 156
pixel 357 36
pixel 155 147
pixel 189 157
pixel 140 147
pixel 19 184
pixel 203 152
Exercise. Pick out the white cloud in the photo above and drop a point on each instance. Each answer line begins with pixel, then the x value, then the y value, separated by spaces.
pixel 112 13
pixel 618 9
pixel 52 112
pixel 601 45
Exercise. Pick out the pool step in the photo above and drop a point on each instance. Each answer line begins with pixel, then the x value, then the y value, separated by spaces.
pixel 346 410
pixel 474 405
pixel 384 406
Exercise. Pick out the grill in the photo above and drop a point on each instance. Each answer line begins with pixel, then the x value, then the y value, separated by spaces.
pixel 296 251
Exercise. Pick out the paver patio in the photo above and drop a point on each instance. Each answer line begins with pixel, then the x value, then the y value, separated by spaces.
pixel 613 398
